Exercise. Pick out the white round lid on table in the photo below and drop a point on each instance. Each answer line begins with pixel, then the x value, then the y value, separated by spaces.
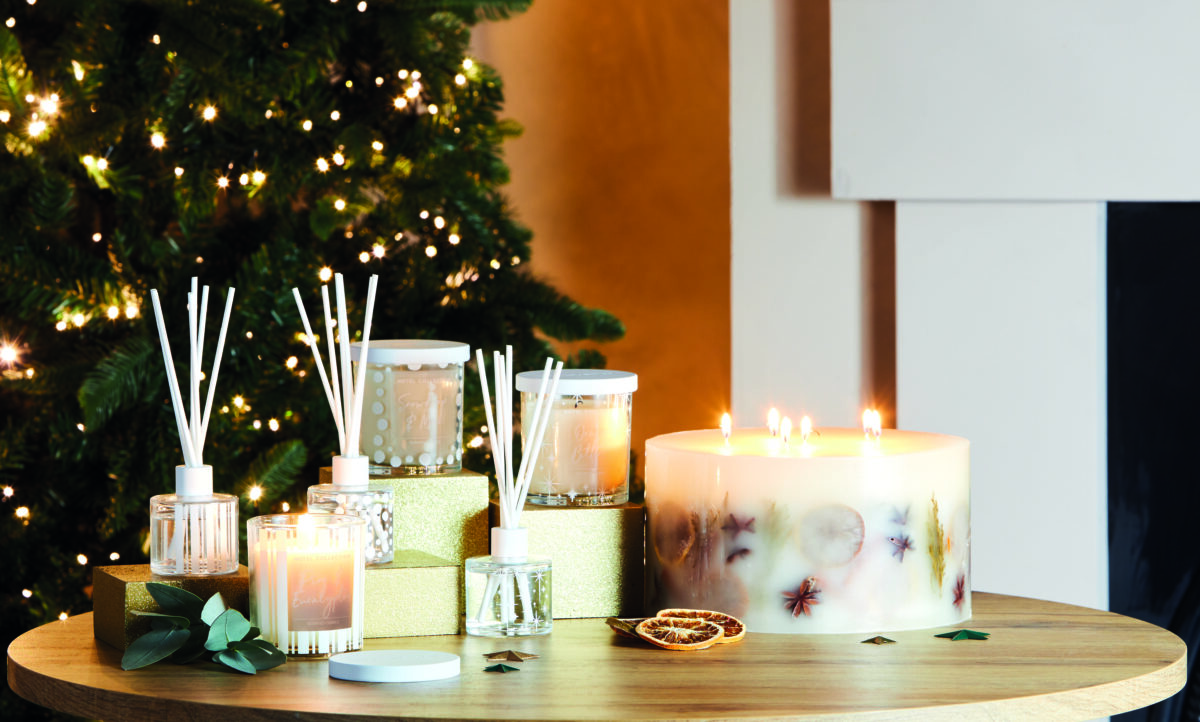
pixel 394 665
pixel 582 382
pixel 403 352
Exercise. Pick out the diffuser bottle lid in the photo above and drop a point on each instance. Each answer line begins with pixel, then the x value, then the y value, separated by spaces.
pixel 351 473
pixel 194 480
pixel 510 543
pixel 415 352
pixel 582 382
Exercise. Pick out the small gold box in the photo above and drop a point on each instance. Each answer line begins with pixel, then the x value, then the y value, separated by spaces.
pixel 444 514
pixel 415 595
pixel 597 555
pixel 119 591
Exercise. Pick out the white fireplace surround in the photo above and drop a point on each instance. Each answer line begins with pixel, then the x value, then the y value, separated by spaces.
pixel 1000 130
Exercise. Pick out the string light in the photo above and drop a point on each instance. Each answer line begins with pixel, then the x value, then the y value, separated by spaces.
pixel 222 182
pixel 9 354
pixel 114 556
pixel 400 102
pixel 249 334
pixel 82 559
pixel 413 91
pixel 269 113
pixel 238 401
pixel 113 313
pixel 81 427
pixel 439 222
pixel 468 63
pixel 78 69
pixel 178 172
pixel 89 161
pixel 49 105
pixel 131 311
pixel 431 251
pixel 273 424
pixel 335 115
pixel 258 177
pixel 475 442
pixel 460 79
pixel 96 237
pixel 306 125
pixel 433 109
pixel 325 273
pixel 22 512
pixel 286 507
pixel 322 165
pixel 416 75
pixel 158 141
pixel 210 112
pixel 454 239
pixel 255 493
pixel 339 158
pixel 257 424
pixel 403 74
pixel 364 256
pixel 62 616
pixel 36 127
pixel 102 164
pixel 11 22
pixel 424 215
pixel 8 492
pixel 362 6
pixel 79 319
pixel 377 146
pixel 378 250
pixel 5 116
pixel 156 40
pixel 60 326
pixel 378 81
pixel 339 204
pixel 495 264
pixel 291 362
pixel 244 178
pixel 27 593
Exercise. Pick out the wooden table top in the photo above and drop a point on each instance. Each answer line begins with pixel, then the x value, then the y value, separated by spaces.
pixel 1044 660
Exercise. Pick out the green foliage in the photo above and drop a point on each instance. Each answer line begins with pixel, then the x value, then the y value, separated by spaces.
pixel 95 216
pixel 191 627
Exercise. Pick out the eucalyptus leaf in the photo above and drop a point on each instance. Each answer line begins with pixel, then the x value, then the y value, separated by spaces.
pixel 213 609
pixel 234 658
pixel 231 626
pixel 194 648
pixel 173 619
pixel 261 653
pixel 174 600
pixel 155 645
pixel 252 634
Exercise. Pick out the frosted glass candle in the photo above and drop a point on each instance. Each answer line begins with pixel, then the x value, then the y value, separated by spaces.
pixel 306 581
pixel 584 459
pixel 837 535
pixel 413 406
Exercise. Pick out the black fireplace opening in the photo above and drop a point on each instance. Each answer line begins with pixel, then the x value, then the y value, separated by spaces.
pixel 1153 407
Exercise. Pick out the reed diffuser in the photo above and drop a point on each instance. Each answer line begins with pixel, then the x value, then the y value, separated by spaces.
pixel 350 492
pixel 193 531
pixel 508 592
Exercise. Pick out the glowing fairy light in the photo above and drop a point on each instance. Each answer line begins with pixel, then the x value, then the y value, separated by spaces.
pixel 131 311
pixel 400 102
pixel 460 80
pixel 10 23
pixel 62 616
pixel 178 172
pixel 156 40
pixel 60 326
pixel 291 362
pixel 88 160
pixel 285 507
pixel 81 427
pixel 114 556
pixel 113 313
pixel 244 178
pixel 424 215
pixel 516 260
pixel 339 204
pixel 9 354
pixel 97 237
pixel 27 593
pixel 475 442
pixel 257 424
pixel 433 109
pixel 102 164
pixel 349 84
pixel 339 159
pixel 79 319
pixel 364 256
pixel 255 493
pixel 306 125
pixel 439 222
pixel 402 74
pixel 239 402
pixel 413 91
pixel 322 165
pixel 49 105
pixel 249 334
pixel 378 82
pixel 335 115
pixel 468 64
pixel 378 250
pixel 22 512
pixel 495 265
pixel 416 75
pixel 82 559
pixel 258 177
pixel 5 116
pixel 431 251
pixel 36 127
pixel 273 424
pixel 325 273
pixel 269 114
pixel 376 146
pixel 158 141
pixel 362 6
pixel 8 492
pixel 453 239
pixel 30 97
pixel 222 182
pixel 78 70
pixel 209 113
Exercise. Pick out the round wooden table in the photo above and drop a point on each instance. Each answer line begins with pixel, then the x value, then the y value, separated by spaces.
pixel 1044 660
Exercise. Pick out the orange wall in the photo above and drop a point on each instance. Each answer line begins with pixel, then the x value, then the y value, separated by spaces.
pixel 623 175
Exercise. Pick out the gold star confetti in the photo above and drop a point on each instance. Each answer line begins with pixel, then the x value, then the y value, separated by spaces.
pixel 509 655
pixel 500 668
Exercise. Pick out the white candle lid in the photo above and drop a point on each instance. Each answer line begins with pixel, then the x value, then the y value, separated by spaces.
pixel 582 382
pixel 413 351
pixel 394 665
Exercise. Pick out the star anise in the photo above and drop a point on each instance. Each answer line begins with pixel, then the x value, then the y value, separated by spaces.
pixel 735 526
pixel 902 544
pixel 960 590
pixel 802 600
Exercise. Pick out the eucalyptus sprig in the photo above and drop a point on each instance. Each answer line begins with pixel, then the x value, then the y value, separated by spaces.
pixel 188 627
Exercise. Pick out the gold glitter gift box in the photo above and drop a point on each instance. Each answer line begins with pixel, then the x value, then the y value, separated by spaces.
pixel 417 594
pixel 598 556
pixel 441 514
pixel 119 591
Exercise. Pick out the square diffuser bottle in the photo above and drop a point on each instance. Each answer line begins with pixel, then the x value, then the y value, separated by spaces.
pixel 350 491
pixel 193 531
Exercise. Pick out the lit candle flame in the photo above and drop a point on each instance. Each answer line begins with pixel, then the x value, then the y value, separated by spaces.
pixel 773 421
pixel 726 426
pixel 785 429
pixel 806 429
pixel 872 424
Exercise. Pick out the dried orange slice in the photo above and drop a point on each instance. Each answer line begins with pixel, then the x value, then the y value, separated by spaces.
pixel 680 634
pixel 733 627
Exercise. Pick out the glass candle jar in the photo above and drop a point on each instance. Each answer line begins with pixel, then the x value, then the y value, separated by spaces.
pixel 193 531
pixel 413 406
pixel 584 459
pixel 306 581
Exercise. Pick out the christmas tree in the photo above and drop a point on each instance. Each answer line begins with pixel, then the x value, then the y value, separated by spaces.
pixel 254 144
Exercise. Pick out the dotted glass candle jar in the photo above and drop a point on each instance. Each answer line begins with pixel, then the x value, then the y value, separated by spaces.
pixel 584 460
pixel 307 575
pixel 413 406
